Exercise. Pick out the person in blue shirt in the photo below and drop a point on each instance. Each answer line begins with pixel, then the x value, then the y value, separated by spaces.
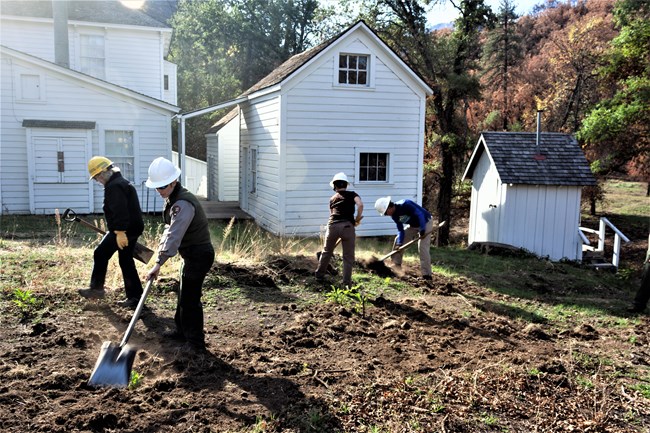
pixel 412 220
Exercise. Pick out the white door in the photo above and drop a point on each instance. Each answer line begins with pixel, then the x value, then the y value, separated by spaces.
pixel 58 171
pixel 487 202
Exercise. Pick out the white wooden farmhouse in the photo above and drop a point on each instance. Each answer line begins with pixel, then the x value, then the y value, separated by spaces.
pixel 526 193
pixel 79 79
pixel 351 105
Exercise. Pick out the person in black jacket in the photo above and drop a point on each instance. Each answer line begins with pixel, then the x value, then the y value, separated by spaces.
pixel 124 223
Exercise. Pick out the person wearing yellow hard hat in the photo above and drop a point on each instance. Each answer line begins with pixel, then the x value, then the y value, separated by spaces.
pixel 412 220
pixel 340 226
pixel 125 224
pixel 186 233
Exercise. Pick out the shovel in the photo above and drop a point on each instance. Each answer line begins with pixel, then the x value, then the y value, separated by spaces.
pixel 140 252
pixel 113 367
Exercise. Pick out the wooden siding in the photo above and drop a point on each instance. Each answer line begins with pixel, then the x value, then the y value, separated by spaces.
pixel 66 100
pixel 542 219
pixel 223 146
pixel 261 132
pixel 327 126
pixel 134 57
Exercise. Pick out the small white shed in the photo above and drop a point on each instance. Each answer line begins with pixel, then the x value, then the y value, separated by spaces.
pixel 527 193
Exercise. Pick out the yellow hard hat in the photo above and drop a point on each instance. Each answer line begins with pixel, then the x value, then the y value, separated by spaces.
pixel 97 164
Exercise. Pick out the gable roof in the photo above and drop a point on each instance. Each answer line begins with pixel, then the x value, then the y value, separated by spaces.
pixel 99 11
pixel 518 160
pixel 300 61
pixel 90 80
pixel 223 121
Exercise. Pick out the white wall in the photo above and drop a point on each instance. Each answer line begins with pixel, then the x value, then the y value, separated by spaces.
pixel 66 99
pixel 134 55
pixel 327 125
pixel 223 154
pixel 261 130
pixel 539 218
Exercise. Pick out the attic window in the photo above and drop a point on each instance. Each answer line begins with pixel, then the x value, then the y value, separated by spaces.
pixel 353 69
pixel 91 55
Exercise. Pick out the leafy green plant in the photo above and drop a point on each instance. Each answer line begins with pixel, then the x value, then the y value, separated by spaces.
pixel 136 380
pixel 342 296
pixel 26 302
pixel 490 420
pixel 643 388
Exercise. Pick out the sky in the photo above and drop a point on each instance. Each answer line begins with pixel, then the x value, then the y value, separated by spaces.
pixel 446 13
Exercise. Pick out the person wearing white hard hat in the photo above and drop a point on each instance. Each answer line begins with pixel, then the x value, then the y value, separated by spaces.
pixel 418 222
pixel 125 224
pixel 186 233
pixel 341 226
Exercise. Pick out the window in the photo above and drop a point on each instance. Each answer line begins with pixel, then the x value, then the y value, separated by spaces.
pixel 373 167
pixel 119 149
pixel 353 69
pixel 91 57
pixel 166 82
pixel 252 187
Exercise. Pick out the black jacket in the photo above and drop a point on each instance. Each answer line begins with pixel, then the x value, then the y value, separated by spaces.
pixel 122 207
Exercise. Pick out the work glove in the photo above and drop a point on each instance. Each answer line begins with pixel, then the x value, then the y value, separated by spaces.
pixel 122 240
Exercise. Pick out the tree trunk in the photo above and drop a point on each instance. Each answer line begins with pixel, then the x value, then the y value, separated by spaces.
pixel 444 195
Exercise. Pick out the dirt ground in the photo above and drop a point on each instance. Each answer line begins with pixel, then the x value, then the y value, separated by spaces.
pixel 448 357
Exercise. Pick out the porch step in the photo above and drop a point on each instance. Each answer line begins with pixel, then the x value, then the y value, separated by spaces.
pixel 223 210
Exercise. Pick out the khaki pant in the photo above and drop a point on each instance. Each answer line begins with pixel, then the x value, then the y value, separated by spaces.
pixel 424 247
pixel 345 232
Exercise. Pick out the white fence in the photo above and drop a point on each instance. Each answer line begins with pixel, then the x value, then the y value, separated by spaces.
pixel 195 175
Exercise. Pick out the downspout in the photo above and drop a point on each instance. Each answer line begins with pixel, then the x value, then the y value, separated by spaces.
pixel 181 145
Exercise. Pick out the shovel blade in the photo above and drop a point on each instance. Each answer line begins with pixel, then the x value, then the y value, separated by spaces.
pixel 113 367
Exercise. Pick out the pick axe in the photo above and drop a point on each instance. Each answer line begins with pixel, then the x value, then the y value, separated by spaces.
pixel 140 252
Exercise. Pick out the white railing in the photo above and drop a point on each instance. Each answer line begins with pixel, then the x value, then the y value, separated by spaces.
pixel 195 176
pixel 618 237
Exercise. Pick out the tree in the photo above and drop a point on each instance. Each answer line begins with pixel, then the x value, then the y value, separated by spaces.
pixel 447 62
pixel 223 47
pixel 502 50
pixel 617 130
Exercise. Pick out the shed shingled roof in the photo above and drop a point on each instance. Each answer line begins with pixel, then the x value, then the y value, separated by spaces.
pixel 518 160
pixel 99 11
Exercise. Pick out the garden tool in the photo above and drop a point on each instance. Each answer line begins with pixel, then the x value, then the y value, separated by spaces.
pixel 408 244
pixel 113 367
pixel 140 252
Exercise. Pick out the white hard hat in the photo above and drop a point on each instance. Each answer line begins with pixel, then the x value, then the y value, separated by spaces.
pixel 162 172
pixel 382 204
pixel 339 176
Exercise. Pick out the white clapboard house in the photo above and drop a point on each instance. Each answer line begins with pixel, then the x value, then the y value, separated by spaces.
pixel 79 79
pixel 526 192
pixel 351 105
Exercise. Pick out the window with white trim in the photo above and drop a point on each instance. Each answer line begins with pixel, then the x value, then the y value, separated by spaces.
pixel 353 69
pixel 92 56
pixel 120 149
pixel 373 166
